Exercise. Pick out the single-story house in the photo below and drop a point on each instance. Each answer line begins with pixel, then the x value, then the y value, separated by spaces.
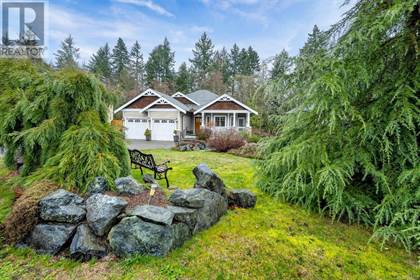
pixel 187 113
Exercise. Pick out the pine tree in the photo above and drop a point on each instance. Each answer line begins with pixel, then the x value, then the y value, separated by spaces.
pixel 160 65
pixel 202 60
pixel 137 65
pixel 120 58
pixel 282 65
pixel 221 64
pixel 68 54
pixel 234 61
pixel 253 61
pixel 100 64
pixel 183 80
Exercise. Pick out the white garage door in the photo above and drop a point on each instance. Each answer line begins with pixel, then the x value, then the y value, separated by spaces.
pixel 135 128
pixel 163 129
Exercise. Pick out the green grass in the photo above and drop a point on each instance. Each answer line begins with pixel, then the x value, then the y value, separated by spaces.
pixel 273 241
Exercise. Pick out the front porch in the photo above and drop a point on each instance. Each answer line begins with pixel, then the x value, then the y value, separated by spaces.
pixel 219 120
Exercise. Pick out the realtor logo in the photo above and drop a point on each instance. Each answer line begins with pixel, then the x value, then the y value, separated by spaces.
pixel 23 23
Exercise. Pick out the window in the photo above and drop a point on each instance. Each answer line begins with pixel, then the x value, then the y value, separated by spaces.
pixel 156 121
pixel 171 121
pixel 137 120
pixel 144 120
pixel 164 121
pixel 241 122
pixel 130 120
pixel 220 121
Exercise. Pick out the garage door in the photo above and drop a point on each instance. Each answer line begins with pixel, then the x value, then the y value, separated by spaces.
pixel 163 129
pixel 135 128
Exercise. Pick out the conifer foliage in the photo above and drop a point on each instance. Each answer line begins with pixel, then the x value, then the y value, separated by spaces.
pixel 57 120
pixel 350 149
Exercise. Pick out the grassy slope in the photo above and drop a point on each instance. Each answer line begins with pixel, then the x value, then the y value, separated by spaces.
pixel 272 241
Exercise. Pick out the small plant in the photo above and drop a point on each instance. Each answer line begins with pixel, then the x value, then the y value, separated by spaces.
pixel 225 140
pixel 204 134
pixel 148 134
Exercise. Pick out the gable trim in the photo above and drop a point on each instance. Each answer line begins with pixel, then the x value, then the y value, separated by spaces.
pixel 226 97
pixel 162 101
pixel 147 92
pixel 180 94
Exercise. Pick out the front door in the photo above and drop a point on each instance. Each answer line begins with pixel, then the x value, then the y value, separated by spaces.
pixel 197 124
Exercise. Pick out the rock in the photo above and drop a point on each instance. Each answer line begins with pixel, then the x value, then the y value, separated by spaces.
pixel 184 215
pixel 210 205
pixel 86 245
pixel 102 212
pixel 134 236
pixel 242 198
pixel 50 238
pixel 186 198
pixel 148 178
pixel 62 206
pixel 180 233
pixel 153 213
pixel 128 186
pixel 207 179
pixel 99 185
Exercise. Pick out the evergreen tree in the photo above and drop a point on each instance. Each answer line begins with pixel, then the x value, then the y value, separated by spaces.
pixel 202 60
pixel 120 58
pixel 282 65
pixel 253 61
pixel 160 65
pixel 67 55
pixel 221 63
pixel 234 61
pixel 137 65
pixel 100 64
pixel 350 147
pixel 183 80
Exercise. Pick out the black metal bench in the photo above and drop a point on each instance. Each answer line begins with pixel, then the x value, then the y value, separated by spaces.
pixel 139 159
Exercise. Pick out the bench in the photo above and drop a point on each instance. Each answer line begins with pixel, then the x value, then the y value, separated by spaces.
pixel 139 159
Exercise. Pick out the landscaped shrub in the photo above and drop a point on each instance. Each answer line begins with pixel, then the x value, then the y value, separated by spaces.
pixel 350 149
pixel 24 213
pixel 224 140
pixel 58 120
pixel 204 134
pixel 251 137
pixel 249 150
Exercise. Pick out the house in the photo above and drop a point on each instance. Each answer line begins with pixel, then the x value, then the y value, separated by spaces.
pixel 187 113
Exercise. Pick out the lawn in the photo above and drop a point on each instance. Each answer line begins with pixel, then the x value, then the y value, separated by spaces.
pixel 273 241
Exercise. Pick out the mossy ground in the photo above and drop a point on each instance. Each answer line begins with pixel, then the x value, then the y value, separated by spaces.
pixel 273 241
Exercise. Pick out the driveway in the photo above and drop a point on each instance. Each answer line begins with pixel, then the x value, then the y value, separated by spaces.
pixel 149 145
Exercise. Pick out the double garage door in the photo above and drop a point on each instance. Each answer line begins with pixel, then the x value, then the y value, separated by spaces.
pixel 162 129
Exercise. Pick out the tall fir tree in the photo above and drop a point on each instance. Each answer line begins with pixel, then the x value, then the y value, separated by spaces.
pixel 221 63
pixel 183 80
pixel 202 60
pixel 137 65
pixel 100 64
pixel 160 65
pixel 282 65
pixel 68 54
pixel 120 58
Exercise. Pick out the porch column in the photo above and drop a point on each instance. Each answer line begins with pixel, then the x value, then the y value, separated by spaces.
pixel 248 120
pixel 202 120
pixel 234 120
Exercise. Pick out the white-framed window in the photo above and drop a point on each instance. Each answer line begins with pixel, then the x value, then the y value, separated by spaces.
pixel 220 121
pixel 241 122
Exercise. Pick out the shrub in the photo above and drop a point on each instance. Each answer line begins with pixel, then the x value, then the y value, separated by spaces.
pixel 225 140
pixel 249 150
pixel 251 137
pixel 24 213
pixel 204 134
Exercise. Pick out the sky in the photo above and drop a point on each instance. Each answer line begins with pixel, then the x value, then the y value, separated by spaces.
pixel 268 26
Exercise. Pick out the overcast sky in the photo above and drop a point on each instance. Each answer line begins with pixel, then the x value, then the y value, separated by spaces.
pixel 268 26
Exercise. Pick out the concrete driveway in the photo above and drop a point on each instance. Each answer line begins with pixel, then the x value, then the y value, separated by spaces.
pixel 149 145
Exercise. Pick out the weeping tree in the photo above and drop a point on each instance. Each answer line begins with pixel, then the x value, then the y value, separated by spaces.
pixel 350 148
pixel 57 121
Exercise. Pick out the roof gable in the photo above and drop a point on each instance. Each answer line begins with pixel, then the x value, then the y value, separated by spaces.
pixel 232 103
pixel 202 97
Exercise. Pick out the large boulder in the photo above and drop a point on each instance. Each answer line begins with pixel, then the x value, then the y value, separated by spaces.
pixel 99 185
pixel 213 205
pixel 50 238
pixel 184 215
pixel 149 179
pixel 207 179
pixel 102 212
pixel 85 245
pixel 180 234
pixel 134 236
pixel 153 214
pixel 128 186
pixel 242 198
pixel 63 207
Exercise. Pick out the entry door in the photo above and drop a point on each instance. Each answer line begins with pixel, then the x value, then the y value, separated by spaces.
pixel 197 124
pixel 163 129
pixel 135 128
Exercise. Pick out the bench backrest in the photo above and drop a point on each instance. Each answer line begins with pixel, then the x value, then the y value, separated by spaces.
pixel 145 160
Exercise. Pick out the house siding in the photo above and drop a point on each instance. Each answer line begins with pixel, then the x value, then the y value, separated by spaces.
pixel 225 105
pixel 142 102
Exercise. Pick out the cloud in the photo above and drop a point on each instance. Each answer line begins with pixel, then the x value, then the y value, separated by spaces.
pixel 201 29
pixel 148 4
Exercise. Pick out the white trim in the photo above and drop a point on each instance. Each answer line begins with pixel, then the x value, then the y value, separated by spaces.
pixel 162 100
pixel 147 92
pixel 180 94
pixel 244 118
pixel 131 110
pixel 220 116
pixel 226 97
pixel 163 110
pixel 226 111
